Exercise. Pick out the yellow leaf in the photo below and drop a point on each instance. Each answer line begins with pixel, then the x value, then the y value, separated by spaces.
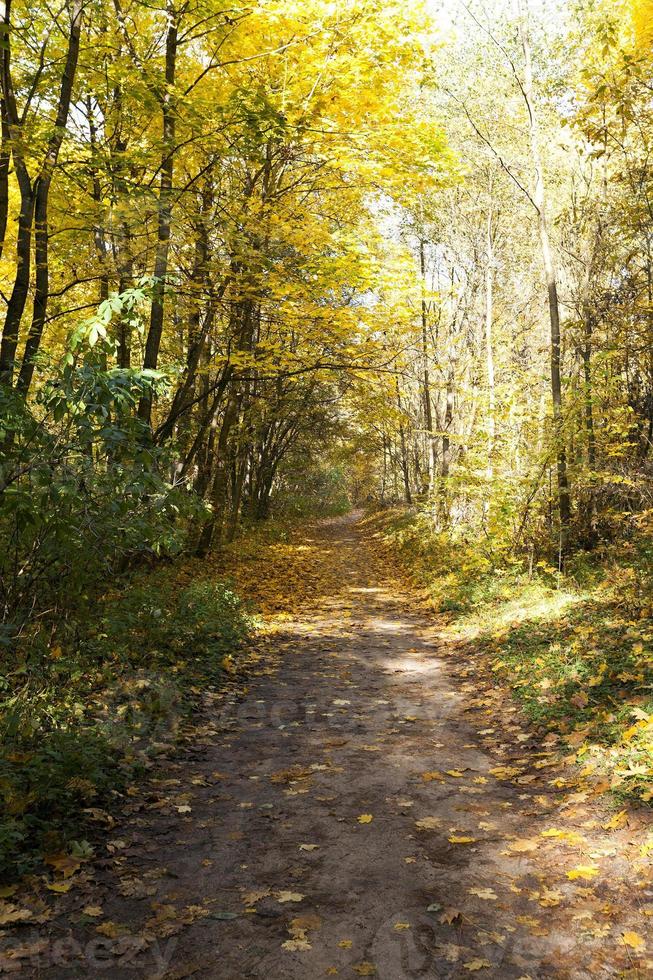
pixel 487 894
pixel 11 913
pixel 345 944
pixel 60 887
pixel 401 925
pixel 523 846
pixel 462 840
pixel 64 863
pixel 365 818
pixel 364 969
pixel 296 944
pixel 288 896
pixel 92 910
pixel 634 940
pixel 428 823
pixel 474 965
pixel 584 871
pixel 617 821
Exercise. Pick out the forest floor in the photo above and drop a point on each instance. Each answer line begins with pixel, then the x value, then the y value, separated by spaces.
pixel 362 802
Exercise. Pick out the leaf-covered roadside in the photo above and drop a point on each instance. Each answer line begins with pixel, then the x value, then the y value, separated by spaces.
pixel 575 650
pixel 83 721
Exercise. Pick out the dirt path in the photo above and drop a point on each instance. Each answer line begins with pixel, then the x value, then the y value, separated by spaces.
pixel 343 819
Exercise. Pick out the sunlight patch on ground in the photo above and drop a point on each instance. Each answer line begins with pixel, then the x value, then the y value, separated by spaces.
pixel 497 619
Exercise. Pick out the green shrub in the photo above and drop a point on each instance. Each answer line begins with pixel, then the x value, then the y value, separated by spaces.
pixel 83 491
pixel 76 726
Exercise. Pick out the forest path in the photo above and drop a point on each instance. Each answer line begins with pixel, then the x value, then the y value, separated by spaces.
pixel 341 817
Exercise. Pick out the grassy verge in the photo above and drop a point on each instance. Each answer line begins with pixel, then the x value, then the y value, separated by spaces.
pixel 82 715
pixel 575 650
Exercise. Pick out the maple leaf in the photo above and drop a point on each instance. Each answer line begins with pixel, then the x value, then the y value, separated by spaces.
pixel 583 871
pixel 428 823
pixel 296 944
pixel 65 863
pixel 251 898
pixel 634 940
pixel 487 894
pixel 549 898
pixel 304 922
pixel 523 846
pixel 112 930
pixel 450 915
pixel 617 821
pixel 11 913
pixel 288 896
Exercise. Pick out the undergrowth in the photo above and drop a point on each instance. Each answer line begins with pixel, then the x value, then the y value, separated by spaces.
pixel 81 717
pixel 575 649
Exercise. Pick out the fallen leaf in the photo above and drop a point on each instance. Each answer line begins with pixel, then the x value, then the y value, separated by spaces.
pixel 487 894
pixel 428 823
pixel 449 915
pixel 616 822
pixel 112 930
pixel 364 969
pixel 584 871
pixel 288 896
pixel 634 940
pixel 462 840
pixel 296 944
pixel 65 863
pixel 11 913
pixel 523 846
pixel 365 818
pixel 251 898
pixel 304 922
pixel 474 965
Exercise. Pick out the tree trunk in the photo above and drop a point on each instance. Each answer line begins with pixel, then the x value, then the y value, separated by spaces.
pixel 540 201
pixel 489 356
pixel 432 462
pixel 153 342
pixel 36 207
